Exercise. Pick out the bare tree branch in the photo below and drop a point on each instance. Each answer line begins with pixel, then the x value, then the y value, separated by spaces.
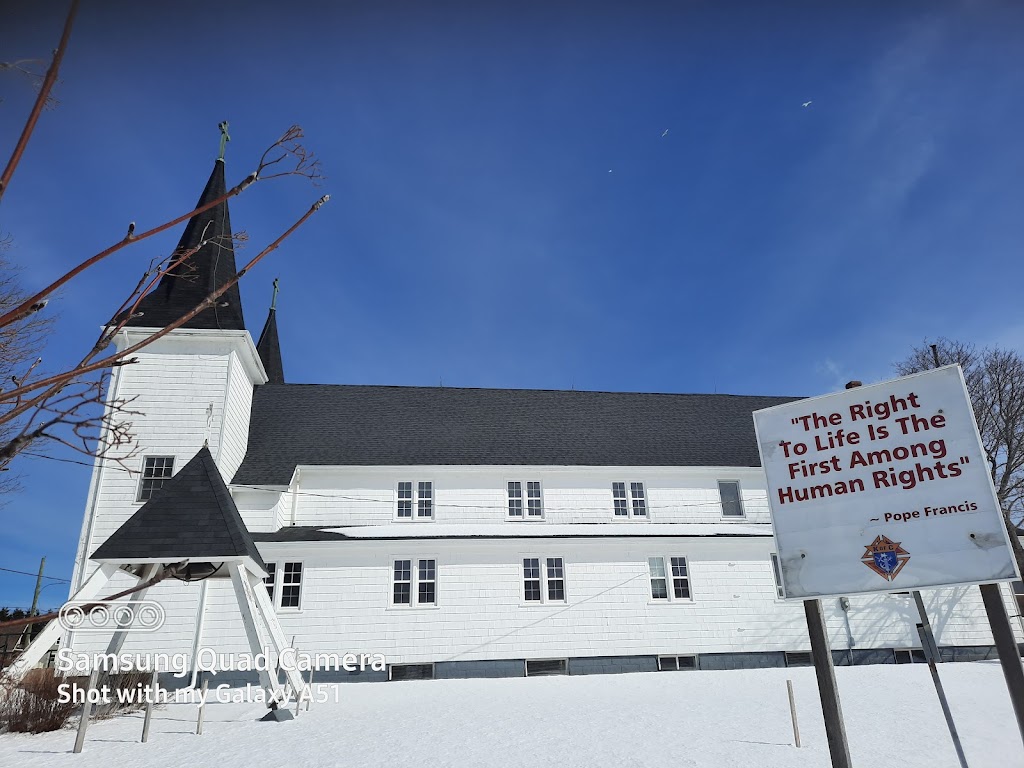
pixel 995 382
pixel 53 386
pixel 41 99
pixel 304 165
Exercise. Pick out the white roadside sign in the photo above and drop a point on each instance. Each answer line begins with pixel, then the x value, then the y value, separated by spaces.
pixel 882 488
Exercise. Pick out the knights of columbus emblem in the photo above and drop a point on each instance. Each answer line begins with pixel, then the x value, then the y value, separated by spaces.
pixel 885 557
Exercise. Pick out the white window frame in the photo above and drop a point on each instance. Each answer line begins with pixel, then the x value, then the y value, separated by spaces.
pixel 545 579
pixel 415 499
pixel 739 500
pixel 776 565
pixel 669 577
pixel 631 498
pixel 524 498
pixel 143 478
pixel 675 661
pixel 280 584
pixel 414 582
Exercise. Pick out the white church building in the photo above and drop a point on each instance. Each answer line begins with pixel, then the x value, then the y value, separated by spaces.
pixel 458 532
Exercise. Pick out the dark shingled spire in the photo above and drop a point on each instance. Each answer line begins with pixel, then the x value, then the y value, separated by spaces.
pixel 205 271
pixel 269 347
pixel 193 516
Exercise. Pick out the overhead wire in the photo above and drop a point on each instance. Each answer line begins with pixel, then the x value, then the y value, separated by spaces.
pixel 28 573
pixel 709 506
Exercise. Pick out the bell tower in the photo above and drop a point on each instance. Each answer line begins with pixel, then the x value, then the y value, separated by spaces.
pixel 192 387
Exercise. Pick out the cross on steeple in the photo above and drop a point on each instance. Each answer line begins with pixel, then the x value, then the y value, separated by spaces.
pixel 273 302
pixel 224 137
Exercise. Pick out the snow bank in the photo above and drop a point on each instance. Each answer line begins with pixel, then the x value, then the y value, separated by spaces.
pixel 718 719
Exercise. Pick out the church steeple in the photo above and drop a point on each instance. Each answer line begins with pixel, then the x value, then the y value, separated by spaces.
pixel 203 272
pixel 269 347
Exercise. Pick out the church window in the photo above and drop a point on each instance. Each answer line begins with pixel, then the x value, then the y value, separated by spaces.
pixel 777 572
pixel 291 585
pixel 271 578
pixel 729 492
pixel 629 497
pixel 534 509
pixel 414 585
pixel 672 584
pixel 544 584
pixel 415 496
pixel 156 470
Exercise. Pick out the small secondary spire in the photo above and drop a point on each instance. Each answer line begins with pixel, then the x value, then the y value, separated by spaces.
pixel 269 345
pixel 224 137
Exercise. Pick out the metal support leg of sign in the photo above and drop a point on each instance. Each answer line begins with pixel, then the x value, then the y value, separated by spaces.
pixel 928 645
pixel 835 730
pixel 1009 653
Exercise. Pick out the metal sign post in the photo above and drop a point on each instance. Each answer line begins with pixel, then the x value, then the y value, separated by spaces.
pixel 835 730
pixel 1009 653
pixel 928 645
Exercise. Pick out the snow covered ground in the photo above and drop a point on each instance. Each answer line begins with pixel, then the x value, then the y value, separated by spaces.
pixel 661 719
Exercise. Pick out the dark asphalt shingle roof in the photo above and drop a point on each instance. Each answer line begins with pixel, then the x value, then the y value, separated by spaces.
pixel 269 349
pixel 192 516
pixel 321 424
pixel 204 271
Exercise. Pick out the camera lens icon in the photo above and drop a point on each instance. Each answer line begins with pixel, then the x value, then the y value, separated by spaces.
pixel 150 617
pixel 138 616
pixel 72 618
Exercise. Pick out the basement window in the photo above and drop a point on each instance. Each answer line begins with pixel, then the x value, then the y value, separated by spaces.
pixel 909 656
pixel 541 667
pixel 676 663
pixel 799 659
pixel 411 672
pixel 156 470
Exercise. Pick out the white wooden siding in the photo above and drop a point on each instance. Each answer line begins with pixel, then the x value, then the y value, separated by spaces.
pixel 480 614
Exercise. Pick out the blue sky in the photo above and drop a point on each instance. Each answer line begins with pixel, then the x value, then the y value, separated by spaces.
pixel 506 211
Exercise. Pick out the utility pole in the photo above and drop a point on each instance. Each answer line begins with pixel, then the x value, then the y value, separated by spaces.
pixel 39 585
pixel 26 636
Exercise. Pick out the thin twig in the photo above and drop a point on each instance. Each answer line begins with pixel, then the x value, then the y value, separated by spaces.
pixel 54 384
pixel 41 99
pixel 305 166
